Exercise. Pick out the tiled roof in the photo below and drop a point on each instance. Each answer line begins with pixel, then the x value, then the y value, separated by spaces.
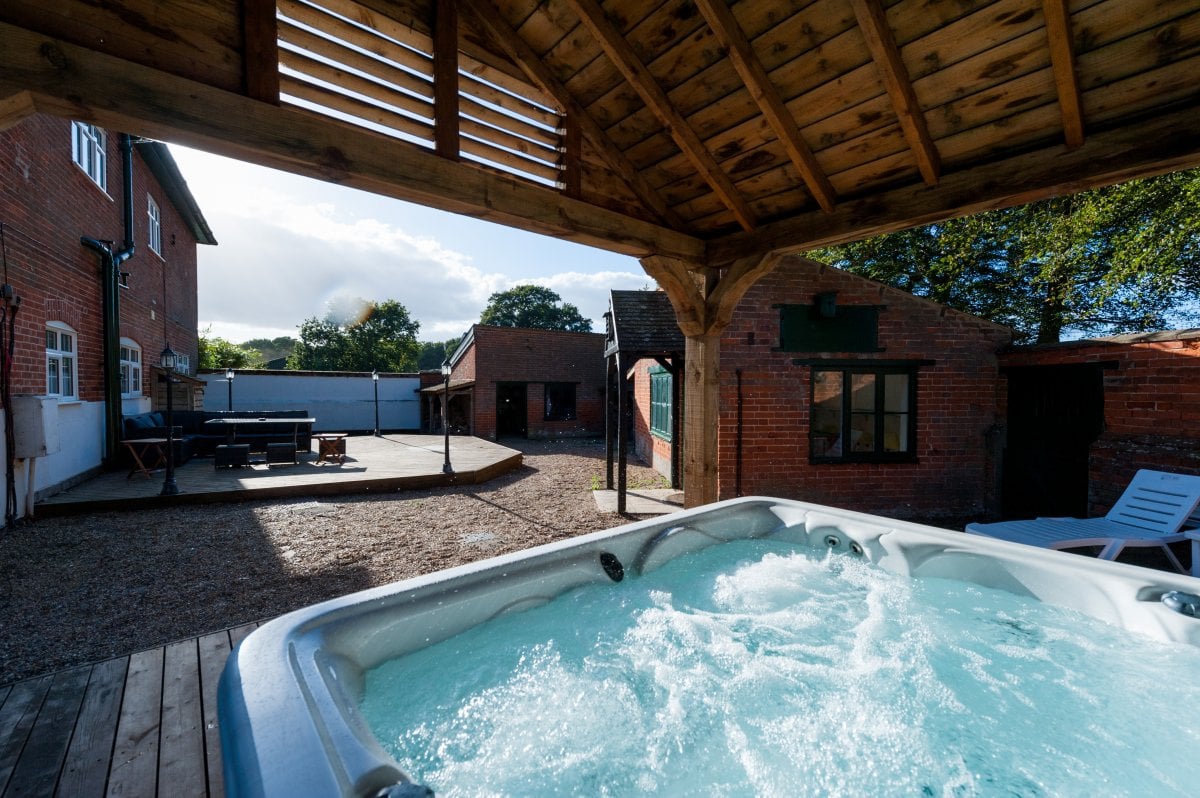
pixel 642 322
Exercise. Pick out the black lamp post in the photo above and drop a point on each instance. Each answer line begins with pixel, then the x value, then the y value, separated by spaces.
pixel 375 380
pixel 229 379
pixel 169 360
pixel 446 467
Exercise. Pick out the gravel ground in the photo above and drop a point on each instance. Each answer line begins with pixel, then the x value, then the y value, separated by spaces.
pixel 86 588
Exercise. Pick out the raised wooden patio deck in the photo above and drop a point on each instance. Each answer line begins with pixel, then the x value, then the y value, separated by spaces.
pixel 386 463
pixel 141 725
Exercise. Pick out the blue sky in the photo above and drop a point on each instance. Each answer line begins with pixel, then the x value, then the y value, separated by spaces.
pixel 290 245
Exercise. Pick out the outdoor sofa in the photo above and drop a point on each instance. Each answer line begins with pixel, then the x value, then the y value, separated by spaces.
pixel 194 438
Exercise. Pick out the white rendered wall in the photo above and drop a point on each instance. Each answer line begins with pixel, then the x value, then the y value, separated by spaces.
pixel 81 442
pixel 339 402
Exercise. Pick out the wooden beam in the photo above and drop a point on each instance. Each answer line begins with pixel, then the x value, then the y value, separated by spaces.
pixel 635 72
pixel 75 82
pixel 260 51
pixel 1154 146
pixel 768 99
pixel 16 109
pixel 872 21
pixel 733 285
pixel 493 23
pixel 1062 60
pixel 676 278
pixel 445 79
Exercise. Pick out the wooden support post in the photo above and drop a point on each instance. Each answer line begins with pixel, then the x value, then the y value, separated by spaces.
pixel 622 443
pixel 609 427
pixel 445 79
pixel 704 302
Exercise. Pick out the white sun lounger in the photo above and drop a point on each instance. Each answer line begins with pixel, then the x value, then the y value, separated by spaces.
pixel 1153 511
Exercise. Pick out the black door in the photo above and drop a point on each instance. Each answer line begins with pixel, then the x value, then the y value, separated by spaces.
pixel 1055 413
pixel 510 410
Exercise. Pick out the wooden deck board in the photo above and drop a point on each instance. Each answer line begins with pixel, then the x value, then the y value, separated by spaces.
pixel 85 773
pixel 144 725
pixel 41 762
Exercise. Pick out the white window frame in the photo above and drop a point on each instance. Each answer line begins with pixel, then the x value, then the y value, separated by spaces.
pixel 89 151
pixel 131 369
pixel 62 362
pixel 153 225
pixel 183 364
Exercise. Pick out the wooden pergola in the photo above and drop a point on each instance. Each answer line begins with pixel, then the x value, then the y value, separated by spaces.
pixel 706 139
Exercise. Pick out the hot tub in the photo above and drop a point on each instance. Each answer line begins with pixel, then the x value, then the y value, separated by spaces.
pixel 289 697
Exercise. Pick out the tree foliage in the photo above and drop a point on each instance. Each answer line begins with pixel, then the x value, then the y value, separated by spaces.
pixel 432 353
pixel 1120 259
pixel 217 353
pixel 272 348
pixel 533 306
pixel 379 336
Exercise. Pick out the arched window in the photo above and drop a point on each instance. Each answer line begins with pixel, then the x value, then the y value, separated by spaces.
pixel 131 369
pixel 62 361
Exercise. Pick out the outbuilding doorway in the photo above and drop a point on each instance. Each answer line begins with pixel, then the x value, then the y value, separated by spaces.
pixel 511 419
pixel 1055 413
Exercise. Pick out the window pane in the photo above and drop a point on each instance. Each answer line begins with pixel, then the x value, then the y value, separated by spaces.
pixel 560 402
pixel 895 432
pixel 862 432
pixel 124 378
pixel 825 429
pixel 895 393
pixel 51 339
pixel 66 342
pixel 52 376
pixel 862 392
pixel 68 376
pixel 135 355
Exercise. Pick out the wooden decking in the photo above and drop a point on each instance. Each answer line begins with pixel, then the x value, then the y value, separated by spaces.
pixel 141 725
pixel 387 463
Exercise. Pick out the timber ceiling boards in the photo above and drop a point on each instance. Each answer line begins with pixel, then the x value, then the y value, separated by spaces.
pixel 698 129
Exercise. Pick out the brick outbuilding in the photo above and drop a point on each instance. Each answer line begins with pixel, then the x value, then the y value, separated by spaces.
pixel 521 382
pixel 840 390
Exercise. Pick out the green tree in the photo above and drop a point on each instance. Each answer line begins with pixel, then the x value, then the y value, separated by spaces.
pixel 432 353
pixel 533 306
pixel 380 336
pixel 1120 259
pixel 217 353
pixel 272 348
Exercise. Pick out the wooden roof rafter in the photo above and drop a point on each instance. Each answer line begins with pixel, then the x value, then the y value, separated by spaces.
pixel 635 72
pixel 503 35
pixel 872 21
pixel 1062 60
pixel 722 22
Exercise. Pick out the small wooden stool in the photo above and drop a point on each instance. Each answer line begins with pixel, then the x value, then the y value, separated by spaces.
pixel 331 446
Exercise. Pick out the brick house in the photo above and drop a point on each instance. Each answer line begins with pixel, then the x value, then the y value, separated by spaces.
pixel 67 216
pixel 520 382
pixel 840 390
pixel 1084 416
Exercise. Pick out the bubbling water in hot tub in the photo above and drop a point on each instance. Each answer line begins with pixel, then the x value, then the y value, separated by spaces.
pixel 759 667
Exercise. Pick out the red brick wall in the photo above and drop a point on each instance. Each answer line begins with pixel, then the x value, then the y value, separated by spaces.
pixel 957 410
pixel 1151 405
pixel 46 204
pixel 536 357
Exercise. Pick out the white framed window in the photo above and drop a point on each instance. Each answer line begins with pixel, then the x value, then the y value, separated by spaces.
pixel 88 151
pixel 183 364
pixel 131 369
pixel 62 361
pixel 153 225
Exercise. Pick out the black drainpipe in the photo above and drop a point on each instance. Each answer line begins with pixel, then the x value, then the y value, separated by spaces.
pixel 110 282
pixel 737 470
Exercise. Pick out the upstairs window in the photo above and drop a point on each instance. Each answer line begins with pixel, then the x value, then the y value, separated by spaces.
pixel 863 414
pixel 61 361
pixel 560 401
pixel 153 225
pixel 88 151
pixel 131 369
pixel 661 411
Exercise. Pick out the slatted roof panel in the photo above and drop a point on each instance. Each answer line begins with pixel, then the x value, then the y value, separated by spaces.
pixel 717 129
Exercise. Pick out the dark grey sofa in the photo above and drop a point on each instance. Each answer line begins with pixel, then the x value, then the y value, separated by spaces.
pixel 194 437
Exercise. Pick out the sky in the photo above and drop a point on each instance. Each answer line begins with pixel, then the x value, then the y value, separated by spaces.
pixel 288 246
